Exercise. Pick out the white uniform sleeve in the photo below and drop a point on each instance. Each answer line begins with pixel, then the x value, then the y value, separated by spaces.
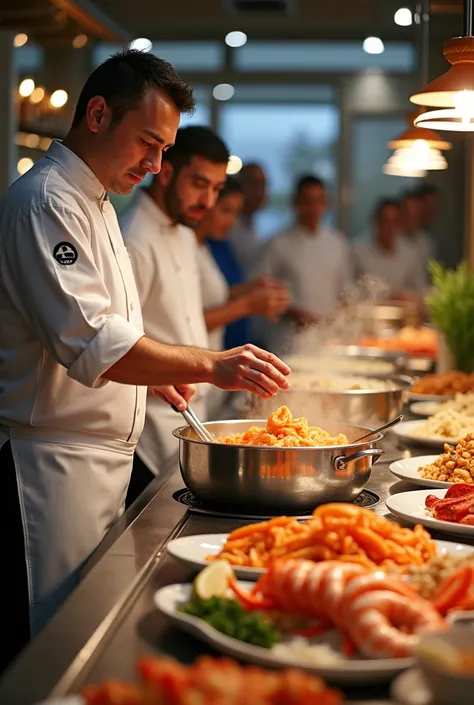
pixel 49 272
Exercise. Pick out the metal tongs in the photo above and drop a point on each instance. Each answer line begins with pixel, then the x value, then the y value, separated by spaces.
pixel 196 424
pixel 376 431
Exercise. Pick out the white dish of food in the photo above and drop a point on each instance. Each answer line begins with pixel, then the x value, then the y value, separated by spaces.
pixel 323 661
pixel 410 506
pixel 425 408
pixel 414 396
pixel 404 431
pixel 193 550
pixel 407 469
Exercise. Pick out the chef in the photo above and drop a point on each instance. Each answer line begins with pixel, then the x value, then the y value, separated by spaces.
pixel 312 259
pixel 157 227
pixel 74 361
pixel 387 254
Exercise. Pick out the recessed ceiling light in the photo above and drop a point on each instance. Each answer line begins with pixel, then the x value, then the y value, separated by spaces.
pixel 403 17
pixel 373 45
pixel 235 39
pixel 223 91
pixel 234 165
pixel 20 39
pixel 141 44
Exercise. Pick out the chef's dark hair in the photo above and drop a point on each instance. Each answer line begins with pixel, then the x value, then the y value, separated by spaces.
pixel 385 203
pixel 231 186
pixel 308 180
pixel 124 79
pixel 196 141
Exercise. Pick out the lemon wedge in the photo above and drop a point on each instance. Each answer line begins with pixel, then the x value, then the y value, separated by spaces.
pixel 213 581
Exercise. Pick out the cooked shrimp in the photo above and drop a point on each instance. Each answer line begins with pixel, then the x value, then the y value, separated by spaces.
pixel 386 624
pixel 382 616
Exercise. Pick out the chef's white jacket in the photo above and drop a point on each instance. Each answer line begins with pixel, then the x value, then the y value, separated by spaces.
pixel 316 268
pixel 400 269
pixel 69 310
pixel 164 259
pixel 247 245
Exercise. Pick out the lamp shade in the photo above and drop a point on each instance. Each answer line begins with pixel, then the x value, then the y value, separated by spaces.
pixel 448 90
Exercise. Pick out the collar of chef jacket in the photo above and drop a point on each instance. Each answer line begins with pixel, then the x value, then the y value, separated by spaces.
pixel 78 169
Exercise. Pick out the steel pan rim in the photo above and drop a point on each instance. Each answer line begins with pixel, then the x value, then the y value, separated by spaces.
pixel 180 435
pixel 405 383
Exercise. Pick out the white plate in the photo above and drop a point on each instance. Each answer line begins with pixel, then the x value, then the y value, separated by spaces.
pixel 404 429
pixel 169 598
pixel 194 549
pixel 410 506
pixel 410 688
pixel 407 469
pixel 413 396
pixel 425 408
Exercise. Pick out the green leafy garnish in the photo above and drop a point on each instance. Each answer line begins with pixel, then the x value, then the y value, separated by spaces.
pixel 451 308
pixel 229 617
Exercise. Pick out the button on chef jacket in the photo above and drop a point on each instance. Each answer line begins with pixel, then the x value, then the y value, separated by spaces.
pixel 69 310
pixel 164 259
pixel 316 268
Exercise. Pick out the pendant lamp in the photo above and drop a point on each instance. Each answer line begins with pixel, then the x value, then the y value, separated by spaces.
pixel 453 92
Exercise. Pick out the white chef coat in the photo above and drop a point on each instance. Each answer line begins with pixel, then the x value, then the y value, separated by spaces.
pixel 164 259
pixel 425 250
pixel 214 289
pixel 215 293
pixel 317 270
pixel 247 245
pixel 400 269
pixel 69 310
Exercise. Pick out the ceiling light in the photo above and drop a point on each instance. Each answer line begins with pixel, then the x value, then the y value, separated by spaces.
pixel 32 141
pixel 141 44
pixel 420 157
pixel 454 90
pixel 373 45
pixel 394 170
pixel 223 91
pixel 37 95
pixel 58 98
pixel 403 17
pixel 236 39
pixel 80 41
pixel 20 39
pixel 24 164
pixel 413 134
pixel 26 87
pixel 234 165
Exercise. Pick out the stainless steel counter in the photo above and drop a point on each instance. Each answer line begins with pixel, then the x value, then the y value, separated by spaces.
pixel 110 620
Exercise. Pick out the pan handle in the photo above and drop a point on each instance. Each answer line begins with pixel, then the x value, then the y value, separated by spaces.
pixel 340 461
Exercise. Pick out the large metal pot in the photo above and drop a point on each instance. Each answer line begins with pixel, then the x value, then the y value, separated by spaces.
pixel 372 407
pixel 285 480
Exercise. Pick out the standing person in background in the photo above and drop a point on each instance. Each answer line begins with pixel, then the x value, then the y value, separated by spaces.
pixel 313 260
pixel 386 254
pixel 157 228
pixel 224 304
pixel 429 194
pixel 244 237
pixel 412 222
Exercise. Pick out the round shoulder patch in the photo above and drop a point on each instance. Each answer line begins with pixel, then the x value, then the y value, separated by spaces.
pixel 65 253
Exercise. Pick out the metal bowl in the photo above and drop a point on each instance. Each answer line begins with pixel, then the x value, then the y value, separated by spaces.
pixel 285 480
pixel 372 407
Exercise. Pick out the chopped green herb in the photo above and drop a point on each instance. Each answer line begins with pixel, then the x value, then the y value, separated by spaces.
pixel 229 617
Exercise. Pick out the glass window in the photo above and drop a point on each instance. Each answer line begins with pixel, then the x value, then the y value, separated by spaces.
pixel 289 141
pixel 369 183
pixel 28 58
pixel 328 56
pixel 202 113
pixel 184 56
pixel 268 92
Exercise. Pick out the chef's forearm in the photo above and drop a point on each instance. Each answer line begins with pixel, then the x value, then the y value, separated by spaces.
pixel 150 363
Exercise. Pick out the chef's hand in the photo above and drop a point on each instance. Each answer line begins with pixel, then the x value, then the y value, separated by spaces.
pixel 179 395
pixel 270 302
pixel 302 317
pixel 250 368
